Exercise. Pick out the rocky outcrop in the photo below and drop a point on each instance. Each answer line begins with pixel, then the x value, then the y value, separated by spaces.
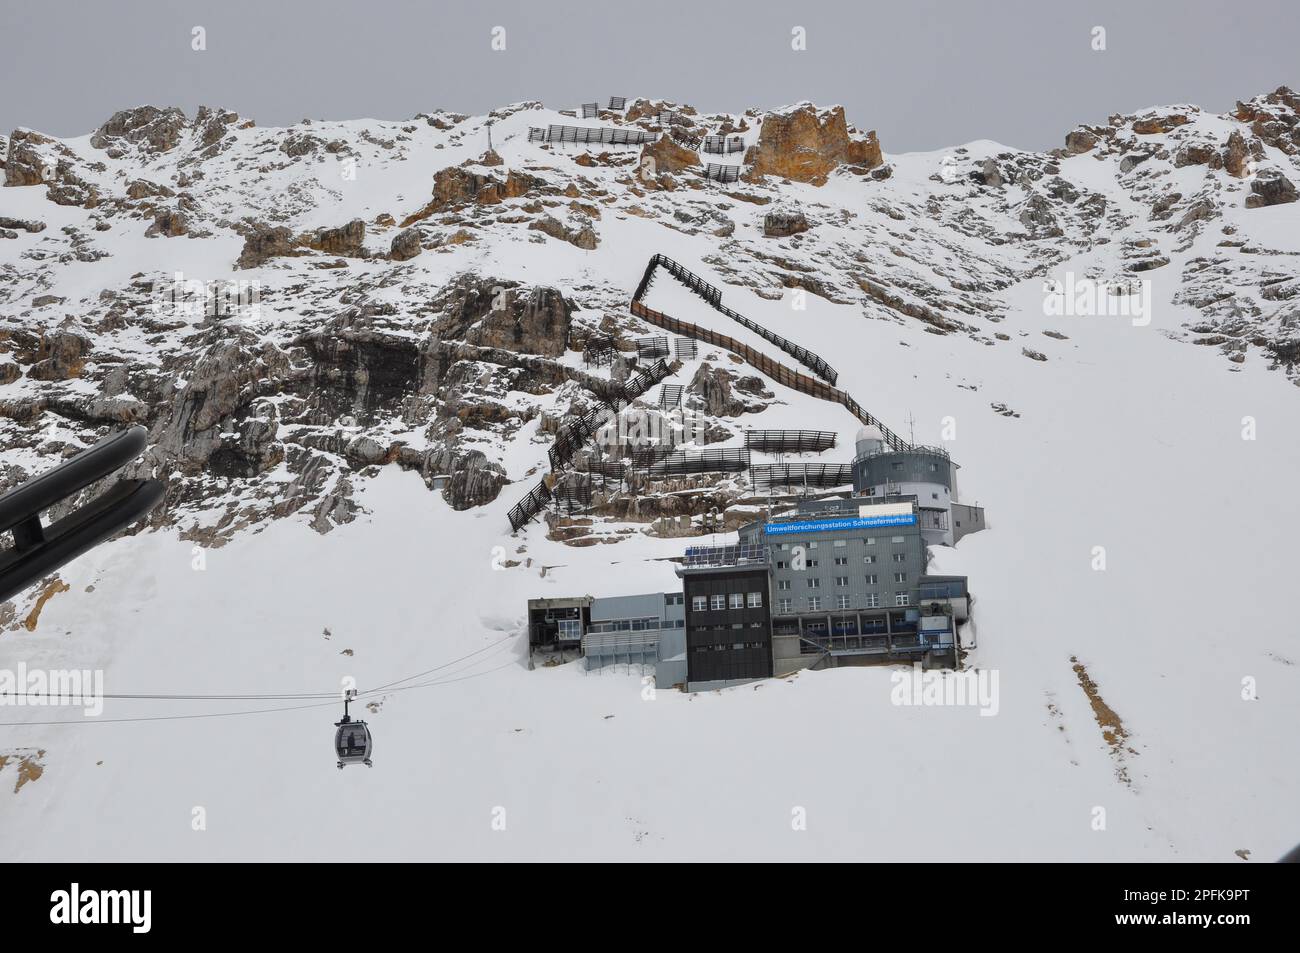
pixel 149 128
pixel 667 156
pixel 1270 187
pixel 583 235
pixel 61 356
pixel 405 245
pixel 25 163
pixel 461 185
pixel 22 224
pixel 712 387
pixel 537 321
pixel 168 223
pixel 783 223
pixel 1158 125
pixel 263 242
pixel 1236 156
pixel 1274 118
pixel 346 240
pixel 1079 141
pixel 805 145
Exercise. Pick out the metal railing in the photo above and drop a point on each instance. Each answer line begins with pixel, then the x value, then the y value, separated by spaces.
pixel 712 295
pixel 584 135
pixel 719 172
pixel 790 441
pixel 723 145
pixel 802 474
pixel 773 369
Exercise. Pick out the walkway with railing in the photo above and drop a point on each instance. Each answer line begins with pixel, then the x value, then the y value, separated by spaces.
pixel 822 475
pixel 712 296
pixel 575 434
pixel 773 369
pixel 584 135
pixel 790 441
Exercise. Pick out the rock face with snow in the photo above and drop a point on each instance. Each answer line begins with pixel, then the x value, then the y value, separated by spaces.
pixel 806 145
pixel 342 322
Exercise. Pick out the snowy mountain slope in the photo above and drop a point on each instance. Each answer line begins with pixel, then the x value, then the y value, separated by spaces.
pixel 1127 438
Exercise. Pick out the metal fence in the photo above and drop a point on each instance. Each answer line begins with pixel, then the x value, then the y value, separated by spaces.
pixel 768 476
pixel 618 102
pixel 773 369
pixel 590 110
pixel 722 173
pixel 713 296
pixel 790 441
pixel 723 145
pixel 588 135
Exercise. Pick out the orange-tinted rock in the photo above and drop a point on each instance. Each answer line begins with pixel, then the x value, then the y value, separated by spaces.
pixel 1155 125
pixel 666 156
pixel 806 146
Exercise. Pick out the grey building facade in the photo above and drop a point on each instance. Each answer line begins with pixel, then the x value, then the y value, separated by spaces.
pixel 927 473
pixel 846 584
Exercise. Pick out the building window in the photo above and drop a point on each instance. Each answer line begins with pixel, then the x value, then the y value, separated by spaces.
pixel 934 496
pixel 813 544
pixel 780 564
pixel 841 560
pixel 840 543
pixel 783 585
pixel 901 599
pixel 814 582
pixel 841 602
pixel 900 557
pixel 717 602
pixel 755 600
pixel 814 603
pixel 570 629
pixel 812 564
pixel 898 464
pixel 872 579
pixel 870 541
pixel 869 559
pixel 737 600
pixel 699 603
pixel 841 581
pixel 872 601
pixel 898 539
pixel 784 606
pixel 900 577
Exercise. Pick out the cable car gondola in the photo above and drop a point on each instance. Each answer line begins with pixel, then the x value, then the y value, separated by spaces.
pixel 352 741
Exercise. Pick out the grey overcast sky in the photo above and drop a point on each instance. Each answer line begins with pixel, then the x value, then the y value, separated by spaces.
pixel 925 74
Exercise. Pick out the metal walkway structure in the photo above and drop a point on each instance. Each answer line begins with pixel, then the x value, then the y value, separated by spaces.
pixel 774 369
pixel 574 435
pixel 822 475
pixel 712 296
pixel 790 441
pixel 584 135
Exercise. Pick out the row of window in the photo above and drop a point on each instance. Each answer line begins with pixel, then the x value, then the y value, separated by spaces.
pixel 841 561
pixel 719 601
pixel 814 603
pixel 814 582
pixel 841 543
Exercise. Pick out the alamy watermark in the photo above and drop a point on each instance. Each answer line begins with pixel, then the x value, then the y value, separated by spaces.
pixel 189 299
pixel 55 688
pixel 1088 297
pixel 974 687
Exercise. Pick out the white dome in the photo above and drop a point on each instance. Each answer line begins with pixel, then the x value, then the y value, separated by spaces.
pixel 870 432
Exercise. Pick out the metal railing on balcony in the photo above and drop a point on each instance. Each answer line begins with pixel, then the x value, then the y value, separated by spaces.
pixel 705 557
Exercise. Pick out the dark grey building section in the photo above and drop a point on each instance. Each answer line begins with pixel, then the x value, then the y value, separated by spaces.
pixel 846 582
pixel 966 520
pixel 728 623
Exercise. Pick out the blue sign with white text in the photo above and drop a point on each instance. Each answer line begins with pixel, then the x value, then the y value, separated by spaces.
pixel 853 522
